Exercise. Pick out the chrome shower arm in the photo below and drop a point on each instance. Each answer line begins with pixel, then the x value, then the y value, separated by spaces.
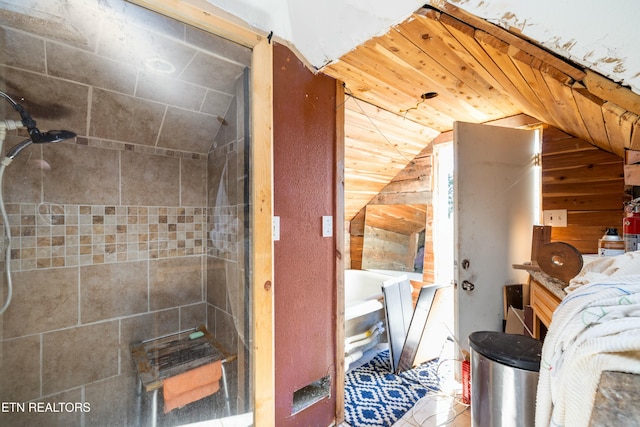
pixel 34 133
pixel 16 149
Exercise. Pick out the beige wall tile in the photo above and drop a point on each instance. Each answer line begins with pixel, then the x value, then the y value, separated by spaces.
pixel 112 401
pixel 232 179
pixel 22 180
pixel 216 103
pixel 193 182
pixel 81 174
pixel 241 91
pixel 225 330
pixel 43 300
pixel 125 118
pixel 209 71
pixel 23 51
pixel 218 45
pixel 53 103
pixel 175 281
pixel 79 26
pixel 215 178
pixel 224 226
pixel 193 316
pixel 20 369
pixel 74 64
pixel 113 290
pixel 229 132
pixel 149 180
pixel 84 176
pixel 145 20
pixel 77 356
pixel 170 91
pixel 188 131
pixel 134 45
pixel 149 325
pixel 217 283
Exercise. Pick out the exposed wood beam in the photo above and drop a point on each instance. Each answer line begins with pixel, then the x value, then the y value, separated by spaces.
pixel 590 108
pixel 340 248
pixel 608 90
pixel 263 351
pixel 202 14
pixel 504 35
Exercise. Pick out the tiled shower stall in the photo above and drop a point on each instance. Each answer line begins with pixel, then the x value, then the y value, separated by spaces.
pixel 137 228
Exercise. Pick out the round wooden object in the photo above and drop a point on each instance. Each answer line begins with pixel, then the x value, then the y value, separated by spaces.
pixel 559 260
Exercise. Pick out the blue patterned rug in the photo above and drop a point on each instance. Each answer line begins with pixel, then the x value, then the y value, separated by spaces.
pixel 376 397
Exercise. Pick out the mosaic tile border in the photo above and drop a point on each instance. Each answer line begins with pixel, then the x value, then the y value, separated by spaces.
pixel 146 149
pixel 50 235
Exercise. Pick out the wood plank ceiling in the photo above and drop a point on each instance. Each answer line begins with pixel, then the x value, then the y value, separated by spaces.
pixel 480 73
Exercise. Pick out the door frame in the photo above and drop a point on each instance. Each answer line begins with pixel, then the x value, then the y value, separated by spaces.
pixel 210 18
pixel 340 248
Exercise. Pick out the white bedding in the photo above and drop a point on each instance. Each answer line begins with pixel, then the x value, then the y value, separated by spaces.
pixel 595 328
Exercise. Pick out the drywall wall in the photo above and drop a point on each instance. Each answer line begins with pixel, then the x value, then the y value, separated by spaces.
pixel 323 30
pixel 601 36
pixel 304 261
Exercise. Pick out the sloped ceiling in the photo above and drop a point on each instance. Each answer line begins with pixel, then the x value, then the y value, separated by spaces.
pixel 481 73
pixel 597 35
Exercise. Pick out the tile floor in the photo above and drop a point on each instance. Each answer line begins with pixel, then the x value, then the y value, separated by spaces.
pixel 443 409
pixel 436 410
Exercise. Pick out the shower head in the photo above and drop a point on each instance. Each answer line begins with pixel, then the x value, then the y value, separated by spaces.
pixel 43 138
pixel 51 136
pixel 37 137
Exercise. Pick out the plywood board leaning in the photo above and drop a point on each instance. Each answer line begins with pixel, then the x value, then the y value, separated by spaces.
pixel 427 332
pixel 398 308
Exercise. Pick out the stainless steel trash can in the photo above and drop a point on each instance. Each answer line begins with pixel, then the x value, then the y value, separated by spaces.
pixel 504 379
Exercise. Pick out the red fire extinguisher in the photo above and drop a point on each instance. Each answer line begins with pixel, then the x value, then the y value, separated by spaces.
pixel 466 382
pixel 631 226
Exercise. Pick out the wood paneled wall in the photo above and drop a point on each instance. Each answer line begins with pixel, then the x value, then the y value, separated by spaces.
pixel 388 250
pixel 577 176
pixel 586 181
pixel 356 240
pixel 428 275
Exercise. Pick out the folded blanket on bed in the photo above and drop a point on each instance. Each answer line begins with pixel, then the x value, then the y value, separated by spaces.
pixel 595 328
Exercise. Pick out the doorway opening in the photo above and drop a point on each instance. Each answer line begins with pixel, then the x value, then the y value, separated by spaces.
pixel 443 212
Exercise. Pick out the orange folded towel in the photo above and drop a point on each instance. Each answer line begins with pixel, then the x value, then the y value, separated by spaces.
pixel 191 385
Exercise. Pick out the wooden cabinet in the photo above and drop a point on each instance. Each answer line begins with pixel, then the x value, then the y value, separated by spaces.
pixel 543 302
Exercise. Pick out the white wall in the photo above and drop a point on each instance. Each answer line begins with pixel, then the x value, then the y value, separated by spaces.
pixel 322 30
pixel 600 35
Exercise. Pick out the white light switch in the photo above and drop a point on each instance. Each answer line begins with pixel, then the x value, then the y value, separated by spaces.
pixel 276 228
pixel 327 226
pixel 555 218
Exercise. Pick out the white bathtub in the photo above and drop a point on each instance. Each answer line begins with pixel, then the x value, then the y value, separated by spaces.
pixel 364 311
pixel 363 291
pixel 409 274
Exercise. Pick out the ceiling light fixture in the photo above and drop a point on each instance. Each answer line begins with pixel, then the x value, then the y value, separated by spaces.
pixel 423 97
pixel 159 65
